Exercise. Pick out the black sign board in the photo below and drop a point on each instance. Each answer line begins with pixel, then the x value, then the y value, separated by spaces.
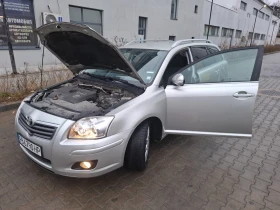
pixel 20 17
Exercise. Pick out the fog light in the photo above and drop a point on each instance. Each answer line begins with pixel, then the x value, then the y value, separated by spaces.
pixel 85 165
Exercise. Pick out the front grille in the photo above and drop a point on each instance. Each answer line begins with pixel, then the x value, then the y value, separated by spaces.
pixel 37 129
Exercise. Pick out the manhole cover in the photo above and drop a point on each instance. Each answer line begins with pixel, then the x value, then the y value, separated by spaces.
pixel 270 92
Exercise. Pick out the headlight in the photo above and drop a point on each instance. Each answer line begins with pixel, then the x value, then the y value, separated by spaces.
pixel 90 128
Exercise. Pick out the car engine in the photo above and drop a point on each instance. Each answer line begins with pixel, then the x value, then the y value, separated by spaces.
pixel 78 98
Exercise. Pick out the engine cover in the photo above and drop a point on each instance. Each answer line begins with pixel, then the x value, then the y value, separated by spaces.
pixel 81 98
pixel 72 94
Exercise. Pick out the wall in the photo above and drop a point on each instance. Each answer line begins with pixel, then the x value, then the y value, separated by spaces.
pixel 247 19
pixel 277 41
pixel 273 39
pixel 222 17
pixel 229 15
pixel 120 18
pixel 230 4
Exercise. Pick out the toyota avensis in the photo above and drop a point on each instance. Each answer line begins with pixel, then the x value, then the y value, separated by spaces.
pixel 120 99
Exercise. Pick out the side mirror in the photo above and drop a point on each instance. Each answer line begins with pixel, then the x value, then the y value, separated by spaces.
pixel 178 80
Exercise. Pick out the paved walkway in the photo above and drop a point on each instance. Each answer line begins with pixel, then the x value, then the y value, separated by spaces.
pixel 184 172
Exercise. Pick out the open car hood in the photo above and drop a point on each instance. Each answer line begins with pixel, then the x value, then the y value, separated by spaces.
pixel 79 47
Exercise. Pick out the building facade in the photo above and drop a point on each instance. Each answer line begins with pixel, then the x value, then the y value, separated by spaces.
pixel 233 25
pixel 121 21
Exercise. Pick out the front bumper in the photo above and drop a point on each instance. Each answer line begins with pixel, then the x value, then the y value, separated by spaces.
pixel 60 153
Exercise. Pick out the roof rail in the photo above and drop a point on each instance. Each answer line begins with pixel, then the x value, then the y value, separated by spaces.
pixel 143 41
pixel 185 41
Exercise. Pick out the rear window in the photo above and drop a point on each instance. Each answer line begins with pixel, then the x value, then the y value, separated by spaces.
pixel 199 52
pixel 213 50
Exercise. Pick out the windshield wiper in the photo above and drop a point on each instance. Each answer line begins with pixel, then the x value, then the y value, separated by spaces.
pixel 122 81
pixel 110 79
pixel 95 76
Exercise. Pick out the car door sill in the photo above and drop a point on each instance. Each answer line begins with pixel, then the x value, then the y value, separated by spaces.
pixel 207 133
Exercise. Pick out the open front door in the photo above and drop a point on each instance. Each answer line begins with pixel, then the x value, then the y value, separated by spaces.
pixel 218 96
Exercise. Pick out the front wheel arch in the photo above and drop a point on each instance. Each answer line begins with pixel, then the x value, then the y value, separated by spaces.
pixel 136 141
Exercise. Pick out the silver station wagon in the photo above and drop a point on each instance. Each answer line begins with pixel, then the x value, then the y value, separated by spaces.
pixel 119 100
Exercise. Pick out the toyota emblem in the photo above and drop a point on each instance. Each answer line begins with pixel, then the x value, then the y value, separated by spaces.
pixel 29 120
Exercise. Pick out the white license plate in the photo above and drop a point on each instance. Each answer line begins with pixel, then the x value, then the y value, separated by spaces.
pixel 30 146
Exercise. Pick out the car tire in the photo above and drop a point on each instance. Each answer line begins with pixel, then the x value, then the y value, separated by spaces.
pixel 137 151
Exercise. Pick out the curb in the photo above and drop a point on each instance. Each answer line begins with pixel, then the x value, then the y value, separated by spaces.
pixel 8 107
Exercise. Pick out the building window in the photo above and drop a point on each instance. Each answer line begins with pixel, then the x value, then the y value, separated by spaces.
pixel 243 5
pixel 196 9
pixel 255 11
pixel 250 36
pixel 256 36
pixel 20 15
pixel 261 15
pixel 172 38
pixel 238 34
pixel 142 26
pixel 90 17
pixel 213 30
pixel 267 17
pixel 174 9
pixel 227 32
pixel 262 37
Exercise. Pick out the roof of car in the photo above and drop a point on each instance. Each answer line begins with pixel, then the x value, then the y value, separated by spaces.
pixel 165 44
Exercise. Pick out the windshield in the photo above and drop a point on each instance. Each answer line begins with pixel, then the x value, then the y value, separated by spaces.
pixel 146 63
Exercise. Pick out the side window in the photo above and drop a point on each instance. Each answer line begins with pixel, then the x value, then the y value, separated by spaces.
pixel 212 50
pixel 198 52
pixel 233 66
pixel 179 61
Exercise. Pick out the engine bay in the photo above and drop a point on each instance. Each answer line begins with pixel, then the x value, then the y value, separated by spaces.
pixel 78 98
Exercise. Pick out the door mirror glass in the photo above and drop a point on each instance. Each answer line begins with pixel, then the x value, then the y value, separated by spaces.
pixel 178 79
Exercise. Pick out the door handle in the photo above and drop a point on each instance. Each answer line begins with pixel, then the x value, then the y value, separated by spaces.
pixel 243 94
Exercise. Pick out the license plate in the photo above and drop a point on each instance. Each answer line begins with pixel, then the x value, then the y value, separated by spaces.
pixel 30 146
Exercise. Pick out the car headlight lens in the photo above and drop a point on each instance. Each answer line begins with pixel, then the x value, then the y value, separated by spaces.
pixel 90 128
